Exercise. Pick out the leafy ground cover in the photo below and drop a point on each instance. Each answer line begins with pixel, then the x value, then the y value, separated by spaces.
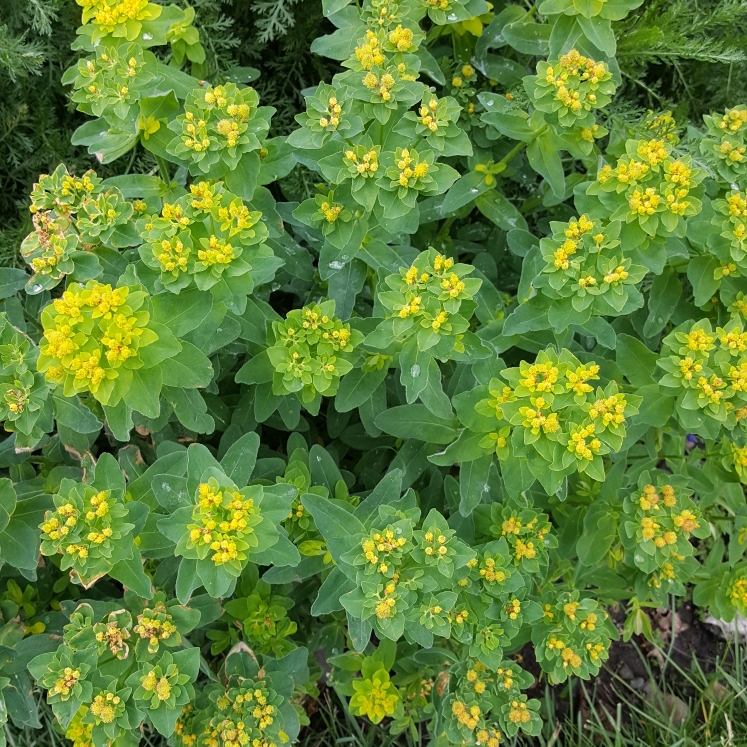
pixel 377 365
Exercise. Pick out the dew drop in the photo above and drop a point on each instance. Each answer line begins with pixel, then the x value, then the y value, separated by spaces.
pixel 473 190
pixel 37 288
pixel 147 37
pixel 415 371
pixel 452 16
pixel 489 103
pixel 166 487
pixel 336 265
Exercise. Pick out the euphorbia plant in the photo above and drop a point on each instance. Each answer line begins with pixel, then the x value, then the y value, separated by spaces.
pixel 245 429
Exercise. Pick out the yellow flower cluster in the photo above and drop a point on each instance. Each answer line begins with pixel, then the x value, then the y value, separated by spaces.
pixel 401 38
pixel 578 445
pixel 203 197
pixel 330 212
pixel 217 252
pixel 160 686
pixel 468 716
pixel 172 254
pixel 369 52
pixel 426 115
pixel 733 120
pixel 368 164
pixel 154 630
pixel 535 419
pixel 111 337
pixel 64 685
pixel 611 410
pixel 572 70
pixel 540 377
pixel 410 169
pixel 103 707
pixel 383 85
pixel 332 115
pixel 490 738
pixel 519 713
pixel 738 593
pixel 110 13
pixel 221 521
pixel 381 543
pixel 577 379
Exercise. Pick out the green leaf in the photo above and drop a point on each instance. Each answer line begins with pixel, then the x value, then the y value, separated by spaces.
pixel 700 273
pixel 356 387
pixel 332 518
pixel 323 469
pixel 145 390
pixel 528 38
pixel 663 297
pixel 71 412
pixel 544 157
pixel 7 502
pixel 183 312
pixel 238 462
pixel 635 360
pixel 189 368
pixel 11 281
pixel 473 483
pixel 496 208
pixel 130 573
pixel 417 422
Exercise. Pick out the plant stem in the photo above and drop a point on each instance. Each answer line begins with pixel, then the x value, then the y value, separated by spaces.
pixel 163 169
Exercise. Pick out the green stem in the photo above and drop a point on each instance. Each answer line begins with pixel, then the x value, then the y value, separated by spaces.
pixel 163 169
pixel 514 151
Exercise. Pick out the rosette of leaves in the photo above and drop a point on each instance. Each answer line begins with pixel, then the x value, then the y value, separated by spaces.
pixel 208 239
pixel 722 588
pixel 116 18
pixel 393 574
pixel 107 342
pixel 221 126
pixel 570 89
pixel 66 676
pixel 329 111
pixel 730 245
pixel 73 217
pixel 111 21
pixel 573 638
pixel 306 355
pixel 218 528
pixel 374 694
pixel 526 532
pixel 255 702
pixel 556 419
pixel 705 371
pixel 93 529
pixel 486 704
pixel 159 624
pixel 342 222
pixel 659 520
pixel 263 616
pixel 63 192
pixel 163 687
pixel 112 713
pixel 652 193
pixel 25 405
pixel 111 84
pixel 437 122
pixel 586 273
pixel 427 308
pixel 725 145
